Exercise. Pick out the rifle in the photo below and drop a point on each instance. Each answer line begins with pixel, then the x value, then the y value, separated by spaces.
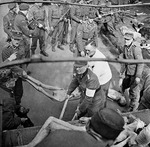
pixel 55 25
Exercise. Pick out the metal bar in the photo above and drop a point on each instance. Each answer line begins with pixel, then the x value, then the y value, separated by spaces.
pixel 1 129
pixel 40 59
pixel 67 3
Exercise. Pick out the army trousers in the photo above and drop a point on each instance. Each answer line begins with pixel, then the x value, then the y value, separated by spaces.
pixel 57 34
pixel 40 35
pixel 134 90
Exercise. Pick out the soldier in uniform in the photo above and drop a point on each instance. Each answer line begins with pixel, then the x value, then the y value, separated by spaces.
pixel 91 99
pixel 21 24
pixel 11 78
pixel 8 20
pixel 133 72
pixel 56 25
pixel 86 32
pixel 37 14
pixel 77 14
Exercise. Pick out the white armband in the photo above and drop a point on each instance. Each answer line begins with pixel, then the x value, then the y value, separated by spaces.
pixel 90 93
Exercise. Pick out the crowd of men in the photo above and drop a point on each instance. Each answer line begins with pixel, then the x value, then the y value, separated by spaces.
pixel 32 24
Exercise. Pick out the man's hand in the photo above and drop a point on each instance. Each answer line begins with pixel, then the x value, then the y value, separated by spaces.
pixel 40 25
pixel 99 16
pixel 81 21
pixel 13 56
pixel 137 80
pixel 82 53
pixel 24 75
pixel 23 119
pixel 52 28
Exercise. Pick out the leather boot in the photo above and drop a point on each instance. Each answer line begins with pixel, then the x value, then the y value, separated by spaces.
pixel 44 53
pixel 53 49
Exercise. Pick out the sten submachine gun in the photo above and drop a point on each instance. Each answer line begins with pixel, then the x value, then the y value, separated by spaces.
pixel 56 24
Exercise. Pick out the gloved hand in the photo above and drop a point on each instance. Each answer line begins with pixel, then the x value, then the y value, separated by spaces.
pixel 13 56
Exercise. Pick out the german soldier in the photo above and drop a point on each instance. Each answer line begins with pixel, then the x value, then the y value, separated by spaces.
pixel 91 99
pixel 86 32
pixel 8 20
pixel 11 78
pixel 77 14
pixel 37 14
pixel 56 25
pixel 133 73
pixel 21 24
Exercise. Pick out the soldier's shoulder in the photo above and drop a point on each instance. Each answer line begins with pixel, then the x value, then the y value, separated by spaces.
pixel 7 45
pixel 6 16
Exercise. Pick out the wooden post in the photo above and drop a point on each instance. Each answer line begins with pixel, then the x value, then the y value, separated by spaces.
pixel 1 106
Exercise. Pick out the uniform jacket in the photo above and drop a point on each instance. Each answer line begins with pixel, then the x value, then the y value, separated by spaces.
pixel 21 24
pixel 85 33
pixel 54 14
pixel 10 75
pixel 8 22
pixel 10 121
pixel 37 13
pixel 133 52
pixel 90 89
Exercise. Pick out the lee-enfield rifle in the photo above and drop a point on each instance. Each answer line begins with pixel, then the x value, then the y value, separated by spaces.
pixel 56 24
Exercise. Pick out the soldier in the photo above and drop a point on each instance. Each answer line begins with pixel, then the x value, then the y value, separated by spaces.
pixel 21 24
pixel 86 32
pixel 37 14
pixel 9 119
pixel 8 20
pixel 94 12
pixel 77 14
pixel 91 99
pixel 11 79
pixel 55 24
pixel 133 73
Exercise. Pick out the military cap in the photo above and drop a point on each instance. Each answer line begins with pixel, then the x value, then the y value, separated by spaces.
pixel 128 35
pixel 107 122
pixel 23 6
pixel 17 35
pixel 79 64
pixel 12 6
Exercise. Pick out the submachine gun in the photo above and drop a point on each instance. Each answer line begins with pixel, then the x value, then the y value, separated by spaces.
pixel 33 23
pixel 56 24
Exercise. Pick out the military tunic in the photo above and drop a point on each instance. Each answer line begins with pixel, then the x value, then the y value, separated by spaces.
pixel 131 72
pixel 12 83
pixel 54 14
pixel 86 32
pixel 8 23
pixel 77 13
pixel 88 83
pixel 21 24
pixel 38 13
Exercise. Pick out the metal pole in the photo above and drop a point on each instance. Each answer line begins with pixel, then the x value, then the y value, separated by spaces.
pixel 1 106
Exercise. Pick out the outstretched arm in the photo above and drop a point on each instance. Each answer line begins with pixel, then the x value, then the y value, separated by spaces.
pixel 52 124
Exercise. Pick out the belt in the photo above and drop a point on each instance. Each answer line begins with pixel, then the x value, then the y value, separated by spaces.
pixel 40 19
pixel 55 17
